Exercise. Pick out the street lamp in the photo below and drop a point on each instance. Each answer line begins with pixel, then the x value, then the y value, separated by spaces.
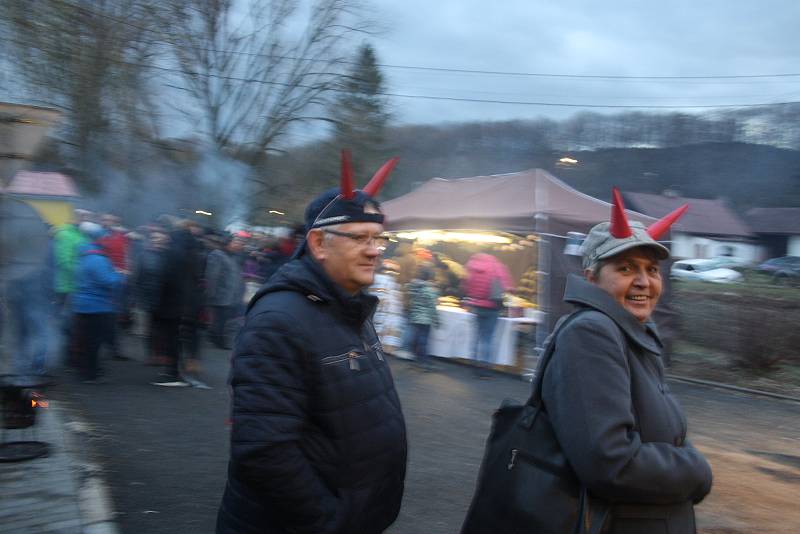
pixel 567 161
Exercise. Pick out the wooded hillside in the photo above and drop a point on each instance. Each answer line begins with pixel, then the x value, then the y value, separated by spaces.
pixel 728 158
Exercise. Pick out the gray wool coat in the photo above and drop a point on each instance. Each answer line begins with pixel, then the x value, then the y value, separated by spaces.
pixel 619 426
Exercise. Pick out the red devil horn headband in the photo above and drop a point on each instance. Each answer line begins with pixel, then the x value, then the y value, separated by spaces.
pixel 660 227
pixel 619 221
pixel 375 184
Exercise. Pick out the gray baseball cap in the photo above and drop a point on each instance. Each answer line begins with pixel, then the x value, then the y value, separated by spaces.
pixel 600 244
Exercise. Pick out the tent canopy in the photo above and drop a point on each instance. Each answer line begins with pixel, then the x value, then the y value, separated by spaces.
pixel 532 201
pixel 508 202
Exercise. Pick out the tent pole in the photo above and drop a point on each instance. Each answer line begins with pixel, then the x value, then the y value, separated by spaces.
pixel 543 282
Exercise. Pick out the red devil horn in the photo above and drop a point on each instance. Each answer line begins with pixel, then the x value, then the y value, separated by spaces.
pixel 660 227
pixel 619 221
pixel 347 175
pixel 376 183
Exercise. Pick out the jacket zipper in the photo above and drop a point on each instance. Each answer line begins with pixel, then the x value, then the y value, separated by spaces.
pixel 351 357
pixel 513 459
pixel 376 347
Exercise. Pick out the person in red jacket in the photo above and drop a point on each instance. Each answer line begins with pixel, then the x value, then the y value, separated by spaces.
pixel 116 245
pixel 115 242
pixel 487 280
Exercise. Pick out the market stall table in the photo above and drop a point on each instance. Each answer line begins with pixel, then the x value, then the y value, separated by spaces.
pixel 455 336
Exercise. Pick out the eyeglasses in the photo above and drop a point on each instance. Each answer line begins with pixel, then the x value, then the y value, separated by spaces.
pixel 379 241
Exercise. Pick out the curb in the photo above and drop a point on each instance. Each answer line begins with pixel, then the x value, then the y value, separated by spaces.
pixel 739 389
pixel 94 498
pixel 527 375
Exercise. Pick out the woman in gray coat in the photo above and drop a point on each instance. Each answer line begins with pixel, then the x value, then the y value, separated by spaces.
pixel 617 422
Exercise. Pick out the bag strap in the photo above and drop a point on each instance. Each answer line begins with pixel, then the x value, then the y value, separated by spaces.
pixel 547 354
pixel 596 517
pixel 594 520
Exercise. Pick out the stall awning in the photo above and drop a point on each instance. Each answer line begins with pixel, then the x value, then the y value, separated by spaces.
pixel 503 201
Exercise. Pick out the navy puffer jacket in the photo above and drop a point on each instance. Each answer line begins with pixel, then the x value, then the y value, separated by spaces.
pixel 318 440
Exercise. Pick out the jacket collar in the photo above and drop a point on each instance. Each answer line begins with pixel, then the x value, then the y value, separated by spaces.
pixel 583 293
pixel 305 275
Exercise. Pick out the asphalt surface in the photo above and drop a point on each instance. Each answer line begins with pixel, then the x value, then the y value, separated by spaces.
pixel 165 449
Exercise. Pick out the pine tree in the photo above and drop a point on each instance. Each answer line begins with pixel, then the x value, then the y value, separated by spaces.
pixel 360 117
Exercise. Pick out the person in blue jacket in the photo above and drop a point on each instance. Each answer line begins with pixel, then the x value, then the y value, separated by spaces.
pixel 318 439
pixel 93 302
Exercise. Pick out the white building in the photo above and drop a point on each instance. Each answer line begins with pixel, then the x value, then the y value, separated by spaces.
pixel 709 229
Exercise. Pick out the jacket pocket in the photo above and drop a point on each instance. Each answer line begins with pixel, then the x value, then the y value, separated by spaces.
pixel 351 359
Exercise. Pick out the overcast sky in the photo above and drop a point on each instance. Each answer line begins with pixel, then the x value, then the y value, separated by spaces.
pixel 572 38
pixel 612 38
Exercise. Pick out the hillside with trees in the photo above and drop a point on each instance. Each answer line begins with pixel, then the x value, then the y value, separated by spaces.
pixel 247 88
pixel 719 159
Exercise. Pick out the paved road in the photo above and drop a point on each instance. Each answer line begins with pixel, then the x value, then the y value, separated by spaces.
pixel 165 450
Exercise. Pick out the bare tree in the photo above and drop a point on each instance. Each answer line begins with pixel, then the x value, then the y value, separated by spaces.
pixel 89 58
pixel 256 67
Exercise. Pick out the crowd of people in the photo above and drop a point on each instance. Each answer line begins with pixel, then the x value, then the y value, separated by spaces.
pixel 318 436
pixel 166 281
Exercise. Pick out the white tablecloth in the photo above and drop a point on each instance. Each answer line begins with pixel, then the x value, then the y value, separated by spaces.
pixel 389 319
pixel 455 337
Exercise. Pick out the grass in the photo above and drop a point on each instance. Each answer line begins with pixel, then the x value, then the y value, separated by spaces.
pixel 705 363
pixel 745 334
pixel 755 285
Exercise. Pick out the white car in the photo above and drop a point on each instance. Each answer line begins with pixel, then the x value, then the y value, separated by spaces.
pixel 731 261
pixel 704 270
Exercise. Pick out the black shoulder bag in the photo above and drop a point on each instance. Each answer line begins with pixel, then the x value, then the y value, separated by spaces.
pixel 525 484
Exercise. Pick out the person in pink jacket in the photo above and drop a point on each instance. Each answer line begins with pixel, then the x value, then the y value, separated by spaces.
pixel 487 280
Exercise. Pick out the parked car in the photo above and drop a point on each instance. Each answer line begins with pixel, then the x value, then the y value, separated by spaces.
pixel 704 270
pixel 781 269
pixel 731 262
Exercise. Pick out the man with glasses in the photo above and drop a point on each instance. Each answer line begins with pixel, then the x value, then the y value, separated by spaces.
pixel 318 439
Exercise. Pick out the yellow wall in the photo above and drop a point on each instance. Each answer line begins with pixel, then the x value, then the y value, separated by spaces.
pixel 55 212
